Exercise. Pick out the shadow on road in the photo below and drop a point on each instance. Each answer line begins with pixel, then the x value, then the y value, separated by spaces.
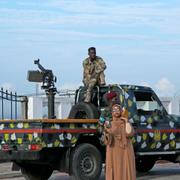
pixel 161 172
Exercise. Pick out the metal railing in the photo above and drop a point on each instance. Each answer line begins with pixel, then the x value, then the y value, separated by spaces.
pixel 63 92
pixel 15 100
pixel 66 92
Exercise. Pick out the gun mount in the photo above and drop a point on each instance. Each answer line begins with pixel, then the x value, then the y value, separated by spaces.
pixel 48 80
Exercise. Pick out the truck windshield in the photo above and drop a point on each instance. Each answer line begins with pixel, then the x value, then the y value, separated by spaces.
pixel 146 101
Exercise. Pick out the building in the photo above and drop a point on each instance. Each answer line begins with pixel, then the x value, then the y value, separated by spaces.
pixel 172 104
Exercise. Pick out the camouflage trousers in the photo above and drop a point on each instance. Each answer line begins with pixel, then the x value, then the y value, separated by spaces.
pixel 90 83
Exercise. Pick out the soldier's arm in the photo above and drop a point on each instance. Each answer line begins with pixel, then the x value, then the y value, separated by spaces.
pixel 101 66
pixel 84 73
pixel 106 114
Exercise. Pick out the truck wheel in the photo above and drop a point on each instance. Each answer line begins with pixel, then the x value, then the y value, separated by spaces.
pixel 144 164
pixel 84 110
pixel 36 172
pixel 86 163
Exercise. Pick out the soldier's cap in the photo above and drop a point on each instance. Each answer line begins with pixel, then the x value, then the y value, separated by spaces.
pixel 111 95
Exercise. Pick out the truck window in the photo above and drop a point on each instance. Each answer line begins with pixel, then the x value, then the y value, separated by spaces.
pixel 146 102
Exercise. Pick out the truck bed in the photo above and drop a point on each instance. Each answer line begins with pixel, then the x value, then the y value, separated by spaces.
pixel 36 134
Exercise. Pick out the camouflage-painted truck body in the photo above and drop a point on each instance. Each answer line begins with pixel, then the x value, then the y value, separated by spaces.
pixel 57 142
pixel 23 135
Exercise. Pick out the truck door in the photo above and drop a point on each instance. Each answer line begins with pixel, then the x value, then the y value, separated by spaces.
pixel 152 126
pixel 128 101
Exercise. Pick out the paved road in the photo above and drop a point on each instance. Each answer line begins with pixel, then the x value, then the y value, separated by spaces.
pixel 159 172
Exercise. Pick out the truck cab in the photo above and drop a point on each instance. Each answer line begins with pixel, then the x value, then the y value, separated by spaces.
pixel 157 133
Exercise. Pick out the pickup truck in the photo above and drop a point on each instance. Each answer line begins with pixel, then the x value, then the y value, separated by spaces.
pixel 40 146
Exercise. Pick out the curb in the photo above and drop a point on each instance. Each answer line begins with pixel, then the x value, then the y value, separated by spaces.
pixel 10 175
pixel 16 174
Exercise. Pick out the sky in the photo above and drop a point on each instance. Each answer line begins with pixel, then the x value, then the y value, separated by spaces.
pixel 138 39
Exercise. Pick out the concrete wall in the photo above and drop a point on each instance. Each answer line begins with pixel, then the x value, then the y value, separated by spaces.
pixel 37 106
pixel 172 104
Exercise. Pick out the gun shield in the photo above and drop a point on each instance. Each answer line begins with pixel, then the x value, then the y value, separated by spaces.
pixel 35 76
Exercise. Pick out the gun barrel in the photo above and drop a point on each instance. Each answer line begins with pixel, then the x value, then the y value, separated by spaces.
pixel 39 65
pixel 36 61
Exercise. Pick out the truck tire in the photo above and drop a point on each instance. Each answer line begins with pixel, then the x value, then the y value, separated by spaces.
pixel 86 163
pixel 144 164
pixel 36 172
pixel 83 110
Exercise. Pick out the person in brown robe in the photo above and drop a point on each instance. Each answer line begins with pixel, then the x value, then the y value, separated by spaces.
pixel 120 158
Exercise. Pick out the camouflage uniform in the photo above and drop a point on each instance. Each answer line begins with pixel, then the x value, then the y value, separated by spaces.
pixel 105 118
pixel 93 75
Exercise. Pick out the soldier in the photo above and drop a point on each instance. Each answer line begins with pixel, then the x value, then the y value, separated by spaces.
pixel 111 98
pixel 94 67
pixel 106 115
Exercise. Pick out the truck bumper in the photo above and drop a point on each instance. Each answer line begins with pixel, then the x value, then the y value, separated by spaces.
pixel 19 155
